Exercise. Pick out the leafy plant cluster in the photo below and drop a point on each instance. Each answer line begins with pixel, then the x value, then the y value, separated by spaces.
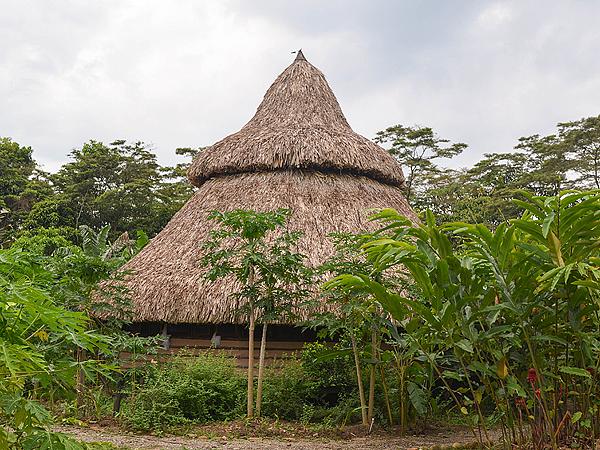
pixel 483 193
pixel 210 387
pixel 200 389
pixel 50 346
pixel 505 322
pixel 38 338
pixel 118 184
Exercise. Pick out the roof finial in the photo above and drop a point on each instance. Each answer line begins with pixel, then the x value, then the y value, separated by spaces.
pixel 299 56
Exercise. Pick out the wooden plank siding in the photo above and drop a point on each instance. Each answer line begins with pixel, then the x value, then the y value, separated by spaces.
pixel 276 352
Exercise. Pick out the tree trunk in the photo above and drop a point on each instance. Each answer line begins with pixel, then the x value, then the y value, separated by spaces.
pixel 361 390
pixel 372 378
pixel 250 404
pixel 261 367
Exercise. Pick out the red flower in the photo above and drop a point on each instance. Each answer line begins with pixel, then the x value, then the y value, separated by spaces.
pixel 520 402
pixel 532 376
pixel 538 393
pixel 591 371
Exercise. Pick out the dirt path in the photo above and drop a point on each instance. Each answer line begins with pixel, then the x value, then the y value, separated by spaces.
pixel 379 442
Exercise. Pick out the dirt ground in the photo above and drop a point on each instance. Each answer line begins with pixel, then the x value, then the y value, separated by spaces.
pixel 292 438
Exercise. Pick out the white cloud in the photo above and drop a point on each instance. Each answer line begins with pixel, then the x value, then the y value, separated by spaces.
pixel 494 15
pixel 187 73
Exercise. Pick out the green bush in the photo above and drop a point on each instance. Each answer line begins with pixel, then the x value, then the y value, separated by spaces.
pixel 200 389
pixel 318 386
pixel 331 372
pixel 286 391
pixel 209 388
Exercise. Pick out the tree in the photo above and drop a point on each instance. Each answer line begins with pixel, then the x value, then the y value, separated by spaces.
pixel 582 139
pixel 256 251
pixel 22 185
pixel 120 184
pixel 417 149
pixel 112 184
pixel 547 164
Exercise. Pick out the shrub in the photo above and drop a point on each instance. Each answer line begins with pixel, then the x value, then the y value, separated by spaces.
pixel 209 387
pixel 286 391
pixel 331 372
pixel 315 387
pixel 200 389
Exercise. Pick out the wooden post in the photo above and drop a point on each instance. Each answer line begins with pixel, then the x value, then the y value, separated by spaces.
pixel 166 343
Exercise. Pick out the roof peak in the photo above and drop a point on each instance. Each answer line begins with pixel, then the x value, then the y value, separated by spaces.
pixel 299 56
pixel 299 125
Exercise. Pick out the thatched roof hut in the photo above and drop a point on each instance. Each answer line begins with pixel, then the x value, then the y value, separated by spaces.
pixel 297 152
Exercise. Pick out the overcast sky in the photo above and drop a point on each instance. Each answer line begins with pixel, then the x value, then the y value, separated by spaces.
pixel 185 73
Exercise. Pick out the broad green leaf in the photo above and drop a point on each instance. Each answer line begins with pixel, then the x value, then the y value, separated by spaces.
pixel 576 371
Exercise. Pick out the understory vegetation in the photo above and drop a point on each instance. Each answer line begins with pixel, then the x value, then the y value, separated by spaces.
pixel 210 387
pixel 504 322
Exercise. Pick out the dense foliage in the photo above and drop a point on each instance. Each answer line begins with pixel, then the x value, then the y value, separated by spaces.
pixel 483 193
pixel 38 341
pixel 50 346
pixel 120 185
pixel 208 387
pixel 507 320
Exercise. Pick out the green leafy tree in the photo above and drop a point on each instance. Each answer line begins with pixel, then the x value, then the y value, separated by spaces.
pixel 417 149
pixel 111 184
pixel 22 185
pixel 481 194
pixel 255 250
pixel 582 139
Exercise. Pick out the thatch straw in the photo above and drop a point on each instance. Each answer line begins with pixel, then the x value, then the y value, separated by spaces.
pixel 167 282
pixel 299 124
pixel 299 153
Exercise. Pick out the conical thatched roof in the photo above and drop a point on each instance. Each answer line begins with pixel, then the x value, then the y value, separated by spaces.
pixel 297 152
pixel 298 125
